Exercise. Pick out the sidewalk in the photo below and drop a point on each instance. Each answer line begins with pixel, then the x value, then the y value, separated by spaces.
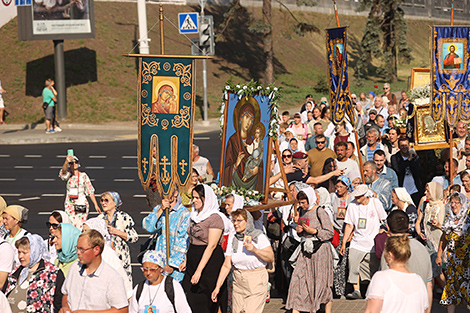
pixel 20 134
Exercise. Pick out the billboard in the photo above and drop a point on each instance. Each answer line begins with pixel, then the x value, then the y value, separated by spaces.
pixel 56 19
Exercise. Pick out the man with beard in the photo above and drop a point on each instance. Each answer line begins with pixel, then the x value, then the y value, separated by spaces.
pixel 381 187
pixel 372 145
pixel 343 162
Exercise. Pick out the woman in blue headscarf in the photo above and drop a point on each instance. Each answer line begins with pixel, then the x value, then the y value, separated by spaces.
pixel 35 286
pixel 66 244
pixel 120 226
pixel 339 203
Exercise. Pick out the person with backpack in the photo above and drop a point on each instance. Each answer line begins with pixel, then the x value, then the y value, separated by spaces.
pixel 149 296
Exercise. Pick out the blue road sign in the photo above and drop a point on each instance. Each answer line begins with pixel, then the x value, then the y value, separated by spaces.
pixel 188 23
pixel 22 2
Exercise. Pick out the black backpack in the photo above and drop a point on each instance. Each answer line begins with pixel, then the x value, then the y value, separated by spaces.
pixel 169 290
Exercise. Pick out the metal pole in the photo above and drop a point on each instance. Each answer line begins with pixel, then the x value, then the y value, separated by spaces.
pixel 142 16
pixel 60 79
pixel 162 38
pixel 204 71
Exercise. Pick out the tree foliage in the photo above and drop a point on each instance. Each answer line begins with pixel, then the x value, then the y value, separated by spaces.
pixel 384 38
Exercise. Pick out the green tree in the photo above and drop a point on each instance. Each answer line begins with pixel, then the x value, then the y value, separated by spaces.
pixel 384 38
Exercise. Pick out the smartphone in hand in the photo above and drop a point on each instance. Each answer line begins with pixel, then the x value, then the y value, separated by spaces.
pixel 70 152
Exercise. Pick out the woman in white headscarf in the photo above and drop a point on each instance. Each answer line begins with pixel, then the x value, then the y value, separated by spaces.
pixel 402 201
pixel 205 255
pixel 23 284
pixel 312 279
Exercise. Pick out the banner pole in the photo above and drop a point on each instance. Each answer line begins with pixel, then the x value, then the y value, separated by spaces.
pixel 452 14
pixel 162 38
pixel 336 14
pixel 451 158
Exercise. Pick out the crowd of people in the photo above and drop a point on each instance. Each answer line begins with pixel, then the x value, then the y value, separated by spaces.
pixel 364 225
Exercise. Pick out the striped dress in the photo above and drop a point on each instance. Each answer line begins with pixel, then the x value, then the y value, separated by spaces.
pixel 312 279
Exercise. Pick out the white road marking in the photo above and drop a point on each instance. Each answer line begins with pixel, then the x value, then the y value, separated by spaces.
pixel 29 199
pixel 7 179
pixel 11 194
pixel 92 179
pixel 23 166
pixel 44 179
pixel 129 157
pixel 145 212
pixel 124 179
pixel 4 155
pixel 33 156
pixel 145 235
pixel 94 167
pixel 128 167
pixel 61 156
pixel 97 157
pixel 55 166
pixel 53 195
pixel 202 138
pixel 44 213
pixel 140 196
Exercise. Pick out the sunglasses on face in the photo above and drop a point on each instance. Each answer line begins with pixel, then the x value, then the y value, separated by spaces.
pixel 320 142
pixel 53 225
pixel 104 200
pixel 285 156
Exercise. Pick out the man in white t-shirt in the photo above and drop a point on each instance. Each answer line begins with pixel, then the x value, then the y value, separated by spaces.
pixel 2 105
pixel 7 260
pixel 363 219
pixel 343 162
pixel 202 166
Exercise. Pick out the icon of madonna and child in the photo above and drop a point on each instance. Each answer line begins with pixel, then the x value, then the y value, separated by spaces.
pixel 244 152
pixel 165 98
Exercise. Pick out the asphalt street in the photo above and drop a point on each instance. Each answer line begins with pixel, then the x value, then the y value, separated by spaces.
pixel 29 177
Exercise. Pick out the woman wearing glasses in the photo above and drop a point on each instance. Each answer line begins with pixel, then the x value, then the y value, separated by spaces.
pixel 248 252
pixel 78 188
pixel 120 226
pixel 55 219
pixel 152 295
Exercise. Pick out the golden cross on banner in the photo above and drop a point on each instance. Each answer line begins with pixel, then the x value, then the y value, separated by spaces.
pixel 145 162
pixel 183 164
pixel 165 163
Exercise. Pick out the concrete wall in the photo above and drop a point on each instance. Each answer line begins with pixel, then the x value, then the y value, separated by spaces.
pixel 7 12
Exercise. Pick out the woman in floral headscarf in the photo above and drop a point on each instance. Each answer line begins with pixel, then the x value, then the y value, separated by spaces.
pixel 23 284
pixel 120 226
pixel 455 238
pixel 339 203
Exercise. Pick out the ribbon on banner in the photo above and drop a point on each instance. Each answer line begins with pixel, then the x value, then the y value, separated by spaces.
pixel 450 83
pixel 340 94
pixel 165 116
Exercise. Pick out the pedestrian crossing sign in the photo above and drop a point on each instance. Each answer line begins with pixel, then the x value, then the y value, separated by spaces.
pixel 188 23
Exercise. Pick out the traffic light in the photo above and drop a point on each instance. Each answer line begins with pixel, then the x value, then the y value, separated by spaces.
pixel 206 35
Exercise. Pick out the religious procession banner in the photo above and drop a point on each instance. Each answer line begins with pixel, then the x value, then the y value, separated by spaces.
pixel 340 94
pixel 450 85
pixel 166 95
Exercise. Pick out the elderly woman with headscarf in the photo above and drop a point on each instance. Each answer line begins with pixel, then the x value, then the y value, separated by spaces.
pixel 120 226
pixel 402 201
pixel 431 215
pixel 205 255
pixel 312 279
pixel 65 242
pixel 14 217
pixel 149 294
pixel 35 286
pixel 55 219
pixel 339 204
pixel 109 255
pixel 78 188
pixel 248 253
pixel 455 237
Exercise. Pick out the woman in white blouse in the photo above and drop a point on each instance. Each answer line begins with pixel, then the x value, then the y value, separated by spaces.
pixel 248 252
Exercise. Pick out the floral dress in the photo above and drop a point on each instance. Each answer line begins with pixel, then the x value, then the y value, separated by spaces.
pixel 123 222
pixel 80 184
pixel 457 288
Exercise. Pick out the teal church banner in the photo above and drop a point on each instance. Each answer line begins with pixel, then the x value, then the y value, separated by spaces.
pixel 166 95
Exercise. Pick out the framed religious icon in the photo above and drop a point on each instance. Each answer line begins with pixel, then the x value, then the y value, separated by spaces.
pixel 420 77
pixel 427 130
pixel 245 143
